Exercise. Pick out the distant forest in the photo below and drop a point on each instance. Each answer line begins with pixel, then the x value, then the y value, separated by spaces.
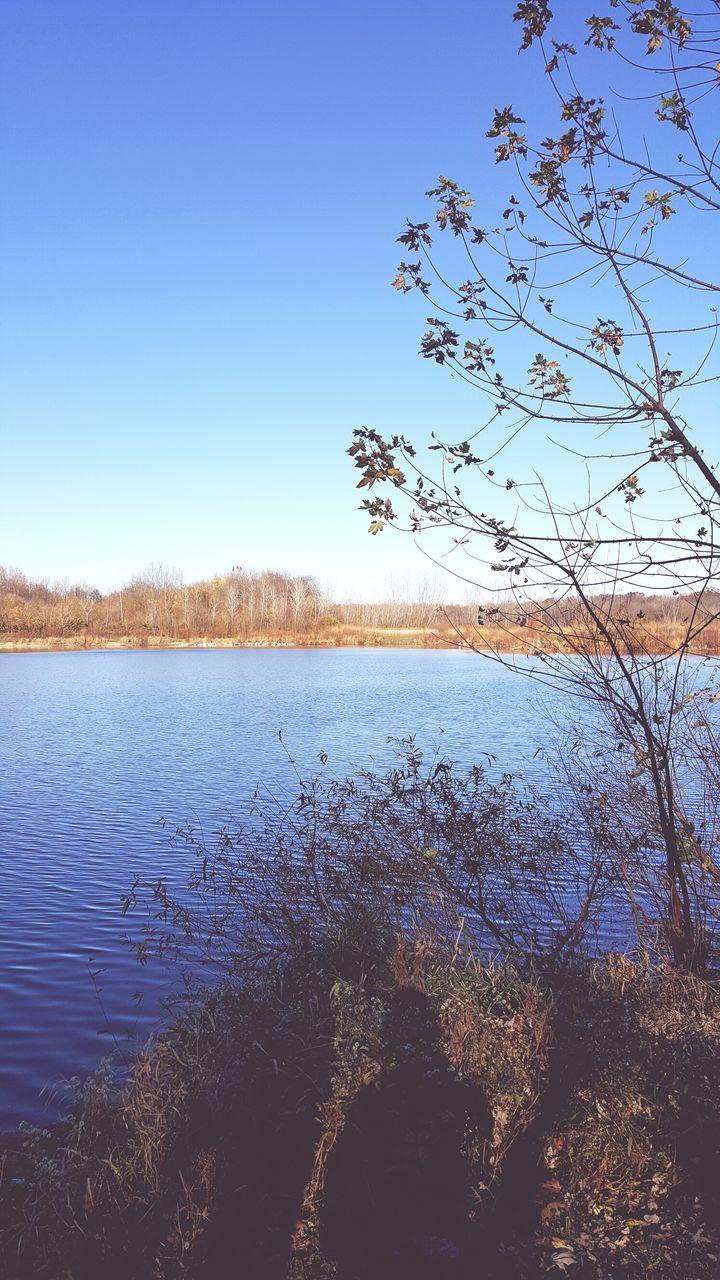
pixel 238 605
pixel 244 606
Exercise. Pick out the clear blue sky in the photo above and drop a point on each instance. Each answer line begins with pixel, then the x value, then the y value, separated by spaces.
pixel 199 207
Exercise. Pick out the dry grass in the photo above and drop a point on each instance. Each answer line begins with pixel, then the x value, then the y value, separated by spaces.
pixel 652 637
pixel 138 1182
pixel 328 637
pixel 656 638
pixel 540 1126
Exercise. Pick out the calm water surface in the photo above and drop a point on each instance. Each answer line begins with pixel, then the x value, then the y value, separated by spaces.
pixel 96 748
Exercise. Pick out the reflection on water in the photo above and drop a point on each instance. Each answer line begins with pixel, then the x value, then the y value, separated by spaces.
pixel 97 747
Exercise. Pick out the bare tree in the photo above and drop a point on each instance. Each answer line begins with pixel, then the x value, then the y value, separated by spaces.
pixel 584 314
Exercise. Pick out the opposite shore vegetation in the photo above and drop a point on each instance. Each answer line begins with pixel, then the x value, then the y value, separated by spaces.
pixel 157 610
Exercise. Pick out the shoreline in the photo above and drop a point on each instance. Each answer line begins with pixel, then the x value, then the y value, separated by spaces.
pixel 232 1096
pixel 396 639
pixel 382 638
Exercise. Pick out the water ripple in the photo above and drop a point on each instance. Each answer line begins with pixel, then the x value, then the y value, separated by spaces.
pixel 97 747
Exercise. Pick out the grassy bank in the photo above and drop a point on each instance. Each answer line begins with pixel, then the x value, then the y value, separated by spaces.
pixel 656 638
pixel 336 637
pixel 358 1092
pixel 381 1107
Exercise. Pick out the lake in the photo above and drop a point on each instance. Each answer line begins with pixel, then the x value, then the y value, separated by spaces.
pixel 98 747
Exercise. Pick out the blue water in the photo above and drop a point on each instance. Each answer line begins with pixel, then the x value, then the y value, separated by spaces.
pixel 96 748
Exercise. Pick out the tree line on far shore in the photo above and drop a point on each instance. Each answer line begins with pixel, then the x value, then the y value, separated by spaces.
pixel 158 602
pixel 244 603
